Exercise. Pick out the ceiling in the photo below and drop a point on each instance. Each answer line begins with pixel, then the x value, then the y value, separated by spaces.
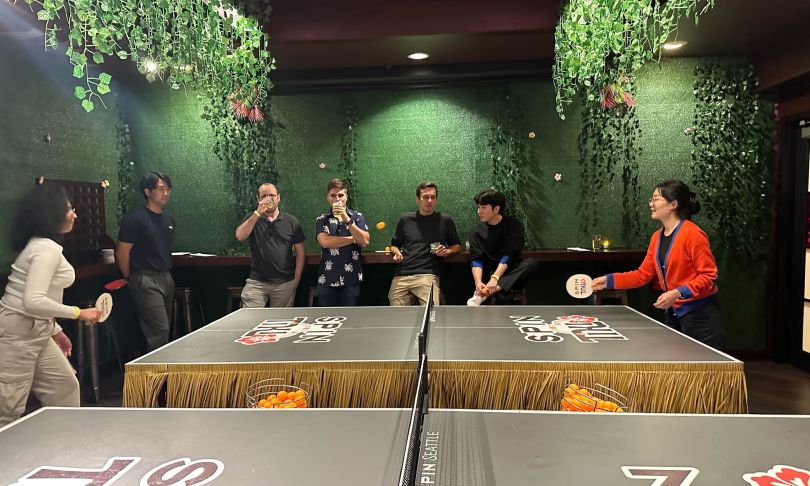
pixel 313 36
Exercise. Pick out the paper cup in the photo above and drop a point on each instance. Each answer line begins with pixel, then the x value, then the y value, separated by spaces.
pixel 104 304
pixel 579 286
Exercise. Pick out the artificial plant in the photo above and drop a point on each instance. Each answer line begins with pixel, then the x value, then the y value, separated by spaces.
pixel 600 44
pixel 732 147
pixel 204 44
pixel 348 146
pixel 510 153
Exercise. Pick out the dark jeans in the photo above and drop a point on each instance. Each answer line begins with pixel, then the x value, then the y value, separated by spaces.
pixel 153 293
pixel 516 277
pixel 345 296
pixel 704 324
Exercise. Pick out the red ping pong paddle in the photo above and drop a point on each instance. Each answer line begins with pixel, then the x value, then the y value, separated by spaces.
pixel 115 284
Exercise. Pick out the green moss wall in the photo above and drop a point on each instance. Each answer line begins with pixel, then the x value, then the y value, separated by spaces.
pixel 402 138
pixel 37 100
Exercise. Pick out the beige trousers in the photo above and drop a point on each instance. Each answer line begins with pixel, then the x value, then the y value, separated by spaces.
pixel 31 362
pixel 405 287
pixel 256 293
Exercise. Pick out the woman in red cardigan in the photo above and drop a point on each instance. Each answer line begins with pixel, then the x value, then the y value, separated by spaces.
pixel 680 258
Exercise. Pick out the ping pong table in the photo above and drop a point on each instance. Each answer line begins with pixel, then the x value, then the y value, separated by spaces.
pixel 364 447
pixel 490 357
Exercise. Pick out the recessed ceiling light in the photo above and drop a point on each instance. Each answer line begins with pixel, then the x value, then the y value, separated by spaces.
pixel 671 46
pixel 418 56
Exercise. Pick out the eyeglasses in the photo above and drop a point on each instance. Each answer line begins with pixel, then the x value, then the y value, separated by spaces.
pixel 655 199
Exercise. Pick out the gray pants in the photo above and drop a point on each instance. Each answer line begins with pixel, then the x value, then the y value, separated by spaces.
pixel 31 362
pixel 256 293
pixel 153 293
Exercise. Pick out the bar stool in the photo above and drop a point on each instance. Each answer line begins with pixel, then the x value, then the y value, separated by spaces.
pixel 313 294
pixel 87 337
pixel 234 297
pixel 609 296
pixel 182 297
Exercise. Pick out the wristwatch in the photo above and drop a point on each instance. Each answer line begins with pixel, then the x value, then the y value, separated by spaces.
pixel 349 222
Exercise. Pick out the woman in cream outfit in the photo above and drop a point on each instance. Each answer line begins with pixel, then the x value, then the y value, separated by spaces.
pixel 33 348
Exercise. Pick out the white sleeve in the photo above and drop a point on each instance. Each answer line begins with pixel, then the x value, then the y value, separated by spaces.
pixel 44 262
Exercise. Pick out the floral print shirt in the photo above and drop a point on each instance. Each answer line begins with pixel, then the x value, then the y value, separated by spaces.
pixel 340 266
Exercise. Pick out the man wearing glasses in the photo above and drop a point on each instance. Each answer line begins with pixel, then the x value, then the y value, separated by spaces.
pixel 144 256
pixel 421 241
pixel 275 269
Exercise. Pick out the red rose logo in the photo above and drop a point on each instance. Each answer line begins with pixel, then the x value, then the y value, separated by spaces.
pixel 779 476
pixel 257 339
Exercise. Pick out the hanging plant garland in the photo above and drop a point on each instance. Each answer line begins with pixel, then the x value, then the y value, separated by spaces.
pixel 510 153
pixel 348 146
pixel 202 44
pixel 609 146
pixel 731 136
pixel 598 44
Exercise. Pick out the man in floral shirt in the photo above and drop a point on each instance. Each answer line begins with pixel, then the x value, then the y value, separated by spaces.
pixel 342 233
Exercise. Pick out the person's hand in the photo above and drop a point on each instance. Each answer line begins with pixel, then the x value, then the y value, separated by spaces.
pixel 666 299
pixel 63 342
pixel 492 286
pixel 265 205
pixel 90 315
pixel 481 289
pixel 442 251
pixel 397 256
pixel 599 283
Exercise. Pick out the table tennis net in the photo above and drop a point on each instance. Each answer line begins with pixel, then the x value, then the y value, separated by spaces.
pixel 410 460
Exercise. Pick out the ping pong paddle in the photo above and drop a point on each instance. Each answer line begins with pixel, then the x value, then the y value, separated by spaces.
pixel 104 304
pixel 115 284
pixel 579 286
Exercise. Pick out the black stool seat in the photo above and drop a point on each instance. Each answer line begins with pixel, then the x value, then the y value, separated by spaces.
pixel 182 301
pixel 234 297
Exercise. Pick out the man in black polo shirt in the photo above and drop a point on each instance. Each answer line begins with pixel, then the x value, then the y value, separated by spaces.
pixel 274 271
pixel 421 241
pixel 144 256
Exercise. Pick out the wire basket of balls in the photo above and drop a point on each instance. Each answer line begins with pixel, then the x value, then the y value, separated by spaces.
pixel 272 393
pixel 599 399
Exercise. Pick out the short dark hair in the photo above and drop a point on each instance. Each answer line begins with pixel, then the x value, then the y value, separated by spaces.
pixel 491 197
pixel 265 184
pixel 426 185
pixel 39 213
pixel 335 183
pixel 675 190
pixel 150 181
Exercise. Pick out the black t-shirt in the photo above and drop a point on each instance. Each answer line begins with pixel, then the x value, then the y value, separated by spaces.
pixel 271 244
pixel 663 248
pixel 489 244
pixel 151 235
pixel 413 237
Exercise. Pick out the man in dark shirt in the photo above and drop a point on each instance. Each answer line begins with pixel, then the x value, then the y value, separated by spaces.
pixel 342 233
pixel 274 271
pixel 144 256
pixel 495 247
pixel 420 242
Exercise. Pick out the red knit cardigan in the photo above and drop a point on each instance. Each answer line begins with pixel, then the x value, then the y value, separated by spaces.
pixel 689 267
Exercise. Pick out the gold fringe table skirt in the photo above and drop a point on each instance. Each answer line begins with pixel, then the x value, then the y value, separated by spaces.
pixel 501 385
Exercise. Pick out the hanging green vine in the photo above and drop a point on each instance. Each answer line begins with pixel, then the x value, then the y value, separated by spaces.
pixel 510 154
pixel 126 167
pixel 599 42
pixel 247 149
pixel 608 143
pixel 204 44
pixel 731 137
pixel 348 147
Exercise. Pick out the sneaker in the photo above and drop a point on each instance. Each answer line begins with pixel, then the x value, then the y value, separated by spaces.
pixel 476 300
